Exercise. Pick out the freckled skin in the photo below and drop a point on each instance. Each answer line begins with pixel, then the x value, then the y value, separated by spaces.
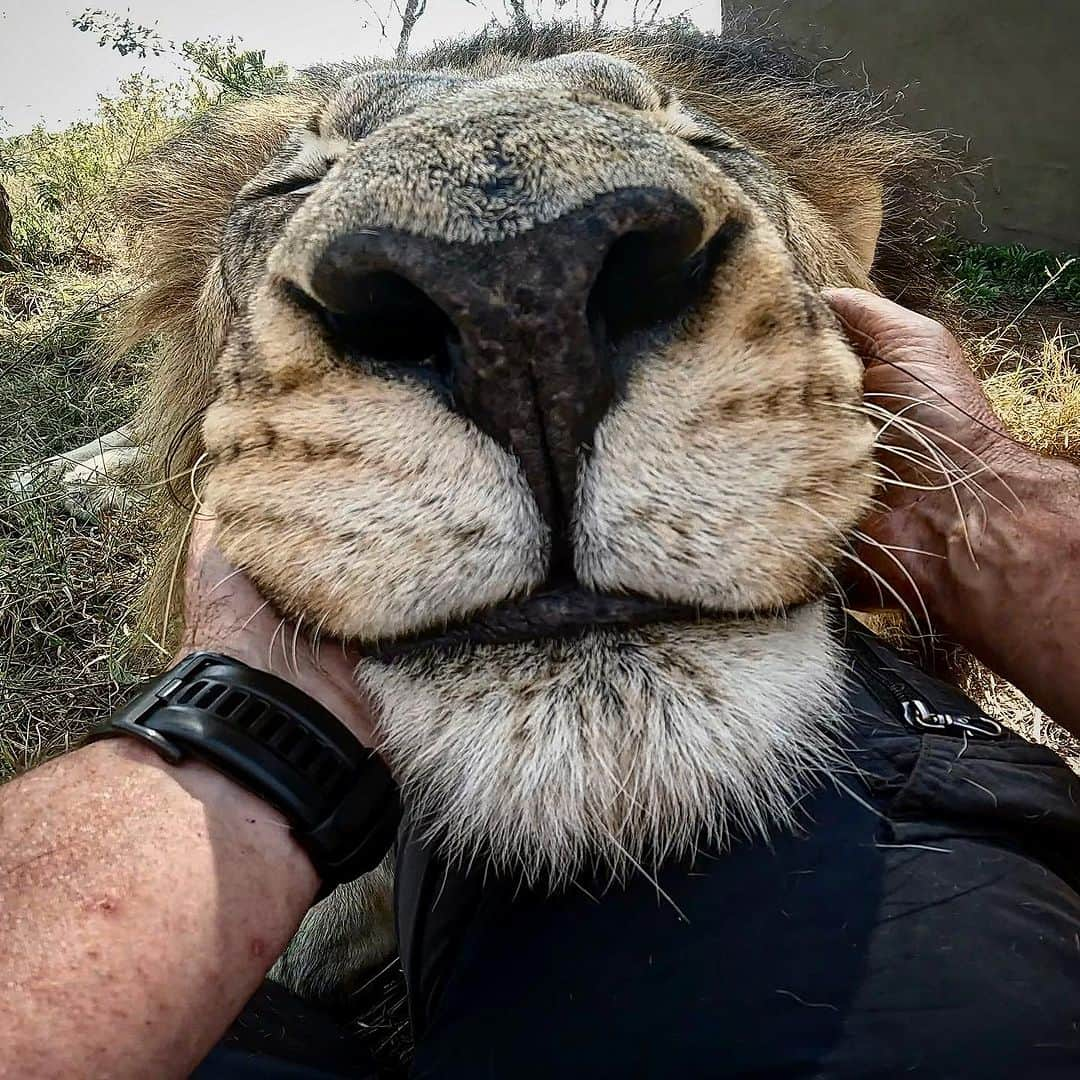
pixel 117 856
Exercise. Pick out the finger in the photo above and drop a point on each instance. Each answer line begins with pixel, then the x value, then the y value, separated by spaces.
pixel 882 331
pixel 871 313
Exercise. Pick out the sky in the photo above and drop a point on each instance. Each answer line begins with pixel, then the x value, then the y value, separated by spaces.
pixel 51 72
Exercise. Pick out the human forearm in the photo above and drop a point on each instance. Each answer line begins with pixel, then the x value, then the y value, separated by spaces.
pixel 140 906
pixel 1016 604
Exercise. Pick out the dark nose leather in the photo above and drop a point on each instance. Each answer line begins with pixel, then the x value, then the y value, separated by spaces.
pixel 522 327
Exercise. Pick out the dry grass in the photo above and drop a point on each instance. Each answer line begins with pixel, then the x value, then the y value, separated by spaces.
pixel 1003 701
pixel 66 592
pixel 1035 388
pixel 67 584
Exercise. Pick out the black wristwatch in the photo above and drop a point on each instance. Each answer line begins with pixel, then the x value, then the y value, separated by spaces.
pixel 280 744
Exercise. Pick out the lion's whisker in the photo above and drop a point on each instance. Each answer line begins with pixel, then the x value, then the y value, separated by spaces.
pixel 195 498
pixel 273 639
pixel 890 553
pixel 316 640
pixel 924 463
pixel 255 614
pixel 227 578
pixel 880 582
pixel 936 453
pixel 295 644
pixel 908 424
pixel 651 878
pixel 846 552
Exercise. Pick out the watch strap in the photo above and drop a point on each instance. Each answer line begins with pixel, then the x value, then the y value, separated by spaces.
pixel 280 744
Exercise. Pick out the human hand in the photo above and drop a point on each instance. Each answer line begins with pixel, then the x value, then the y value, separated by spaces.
pixel 975 534
pixel 224 612
pixel 942 452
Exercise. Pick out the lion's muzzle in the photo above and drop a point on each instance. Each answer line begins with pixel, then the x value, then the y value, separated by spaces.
pixel 519 332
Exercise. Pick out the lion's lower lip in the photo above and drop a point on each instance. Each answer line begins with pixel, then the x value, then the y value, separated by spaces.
pixel 543 616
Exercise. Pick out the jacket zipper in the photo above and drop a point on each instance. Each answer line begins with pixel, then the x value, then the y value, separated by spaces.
pixel 916 713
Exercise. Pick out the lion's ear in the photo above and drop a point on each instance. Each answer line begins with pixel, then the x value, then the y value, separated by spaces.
pixel 858 218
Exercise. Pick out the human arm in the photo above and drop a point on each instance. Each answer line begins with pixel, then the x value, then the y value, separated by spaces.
pixel 982 531
pixel 141 904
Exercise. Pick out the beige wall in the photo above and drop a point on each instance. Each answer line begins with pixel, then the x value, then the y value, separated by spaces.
pixel 1005 73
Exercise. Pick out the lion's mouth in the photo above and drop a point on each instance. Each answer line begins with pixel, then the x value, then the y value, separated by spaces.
pixel 562 613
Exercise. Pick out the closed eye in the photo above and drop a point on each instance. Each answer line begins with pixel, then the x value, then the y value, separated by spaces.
pixel 301 165
pixel 715 144
pixel 293 185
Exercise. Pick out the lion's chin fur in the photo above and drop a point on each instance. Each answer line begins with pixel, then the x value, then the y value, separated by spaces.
pixel 620 750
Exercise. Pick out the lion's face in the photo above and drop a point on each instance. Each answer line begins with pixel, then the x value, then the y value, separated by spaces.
pixel 528 371
pixel 537 334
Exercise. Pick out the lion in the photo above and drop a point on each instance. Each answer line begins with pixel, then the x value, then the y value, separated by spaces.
pixel 508 362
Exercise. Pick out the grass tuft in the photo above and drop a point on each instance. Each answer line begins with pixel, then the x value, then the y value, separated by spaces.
pixel 1035 389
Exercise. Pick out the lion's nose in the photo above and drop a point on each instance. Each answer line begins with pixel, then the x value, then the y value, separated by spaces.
pixel 519 331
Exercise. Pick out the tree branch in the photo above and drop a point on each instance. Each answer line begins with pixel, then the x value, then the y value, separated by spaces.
pixel 410 16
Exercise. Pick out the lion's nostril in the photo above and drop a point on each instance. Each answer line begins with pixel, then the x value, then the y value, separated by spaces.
pixel 649 279
pixel 381 317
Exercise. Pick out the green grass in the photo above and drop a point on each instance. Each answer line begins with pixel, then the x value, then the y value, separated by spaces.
pixel 68 582
pixel 50 363
pixel 992 277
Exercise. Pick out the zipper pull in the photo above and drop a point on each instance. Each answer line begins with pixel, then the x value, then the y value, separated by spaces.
pixel 917 714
